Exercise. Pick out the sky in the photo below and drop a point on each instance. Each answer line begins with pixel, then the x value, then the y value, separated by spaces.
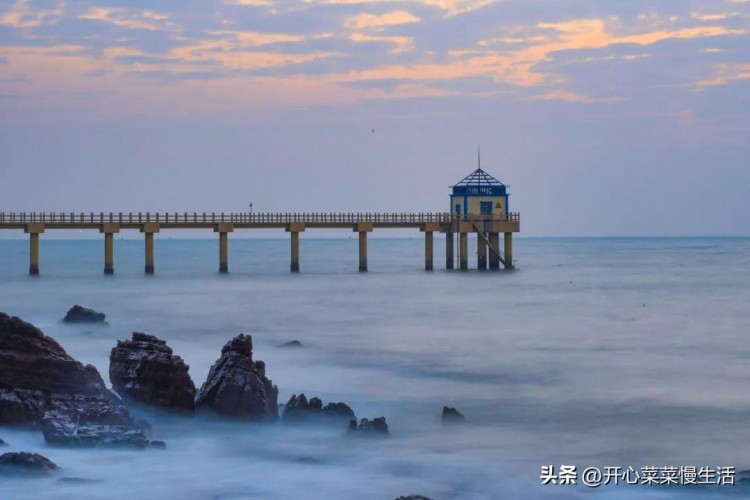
pixel 605 117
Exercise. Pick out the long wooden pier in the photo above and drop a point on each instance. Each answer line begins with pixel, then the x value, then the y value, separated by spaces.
pixel 486 227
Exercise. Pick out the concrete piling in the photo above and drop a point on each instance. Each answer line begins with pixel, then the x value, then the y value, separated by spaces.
pixel 463 243
pixel 295 228
pixel 109 230
pixel 449 257
pixel 149 228
pixel 509 251
pixel 224 228
pixel 495 244
pixel 481 252
pixel 34 230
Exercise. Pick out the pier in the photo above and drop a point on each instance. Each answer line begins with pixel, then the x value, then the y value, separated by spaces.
pixel 485 227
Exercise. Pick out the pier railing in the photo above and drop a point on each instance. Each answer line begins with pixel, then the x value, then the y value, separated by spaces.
pixel 243 218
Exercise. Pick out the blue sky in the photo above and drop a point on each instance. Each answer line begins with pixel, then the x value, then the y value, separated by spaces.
pixel 605 117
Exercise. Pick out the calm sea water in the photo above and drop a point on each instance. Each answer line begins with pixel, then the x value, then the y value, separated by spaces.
pixel 596 352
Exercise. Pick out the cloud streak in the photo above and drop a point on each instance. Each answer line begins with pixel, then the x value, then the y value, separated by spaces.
pixel 510 51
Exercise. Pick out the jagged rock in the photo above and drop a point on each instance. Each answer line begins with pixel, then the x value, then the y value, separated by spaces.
pixel 299 409
pixel 161 445
pixel 42 386
pixel 78 314
pixel 3 443
pixel 376 427
pixel 238 387
pixel 25 462
pixel 144 370
pixel 452 416
pixel 291 343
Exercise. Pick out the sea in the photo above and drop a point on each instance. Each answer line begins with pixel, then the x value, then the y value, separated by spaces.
pixel 593 353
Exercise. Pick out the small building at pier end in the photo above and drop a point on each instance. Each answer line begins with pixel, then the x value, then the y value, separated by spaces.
pixel 479 194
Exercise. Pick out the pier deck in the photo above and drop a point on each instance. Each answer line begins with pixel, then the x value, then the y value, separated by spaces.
pixel 486 227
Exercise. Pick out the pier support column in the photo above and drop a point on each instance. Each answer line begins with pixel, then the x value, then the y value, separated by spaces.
pixel 463 243
pixel 149 229
pixel 223 252
pixel 449 258
pixel 109 246
pixel 481 252
pixel 363 228
pixel 429 230
pixel 224 229
pixel 34 230
pixel 509 251
pixel 494 258
pixel 295 228
pixel 109 254
pixel 428 250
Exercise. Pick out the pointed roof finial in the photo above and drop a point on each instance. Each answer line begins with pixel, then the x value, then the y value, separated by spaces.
pixel 479 157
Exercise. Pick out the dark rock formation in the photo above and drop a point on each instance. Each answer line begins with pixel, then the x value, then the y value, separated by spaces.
pixel 3 443
pixel 291 343
pixel 41 385
pixel 145 370
pixel 368 428
pixel 237 386
pixel 299 409
pixel 78 314
pixel 161 445
pixel 25 462
pixel 93 426
pixel 452 416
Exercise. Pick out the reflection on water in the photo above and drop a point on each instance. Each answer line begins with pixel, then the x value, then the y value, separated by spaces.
pixel 596 352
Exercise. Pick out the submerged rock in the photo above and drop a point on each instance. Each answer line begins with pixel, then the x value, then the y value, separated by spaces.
pixel 145 370
pixel 25 462
pixel 414 497
pixel 291 343
pixel 237 386
pixel 79 314
pixel 161 445
pixel 42 386
pixel 78 480
pixel 452 416
pixel 299 410
pixel 376 427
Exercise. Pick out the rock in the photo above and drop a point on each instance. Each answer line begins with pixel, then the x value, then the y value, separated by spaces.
pixel 25 462
pixel 308 460
pixel 78 480
pixel 144 370
pixel 42 386
pixel 414 497
pixel 237 386
pixel 368 428
pixel 78 314
pixel 291 343
pixel 299 409
pixel 91 429
pixel 3 443
pixel 452 416
pixel 161 445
